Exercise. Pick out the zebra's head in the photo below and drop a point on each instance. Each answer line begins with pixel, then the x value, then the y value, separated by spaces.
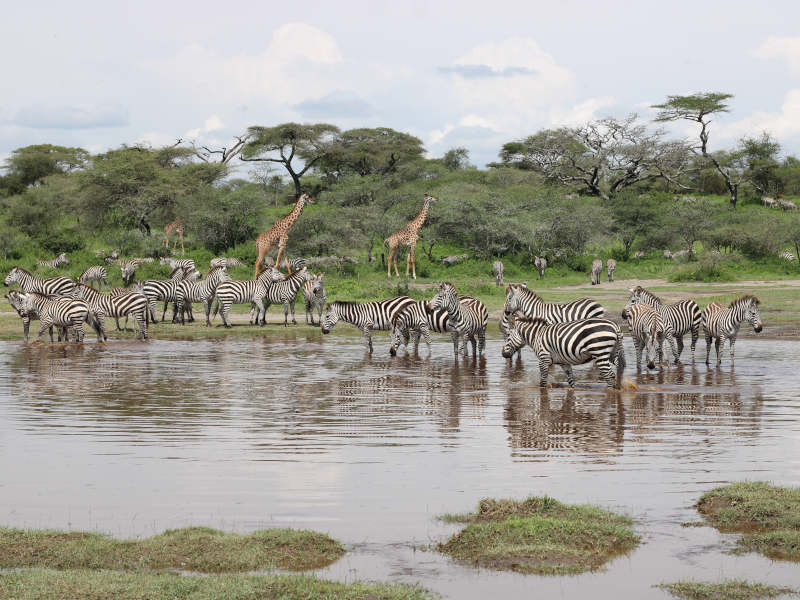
pixel 18 301
pixel 13 275
pixel 128 272
pixel 270 275
pixel 398 334
pixel 63 258
pixel 513 343
pixel 318 290
pixel 331 317
pixel 752 315
pixel 446 298
pixel 513 297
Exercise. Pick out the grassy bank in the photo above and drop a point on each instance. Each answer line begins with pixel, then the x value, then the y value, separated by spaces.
pixel 768 516
pixel 539 536
pixel 41 584
pixel 735 589
pixel 190 549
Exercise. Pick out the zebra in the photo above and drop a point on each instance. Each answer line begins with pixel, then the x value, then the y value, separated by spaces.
pixel 419 319
pixel 469 320
pixel 314 293
pixel 175 263
pixel 611 266
pixel 679 318
pixel 647 331
pixel 27 312
pixel 723 323
pixel 285 292
pixel 568 344
pixel 222 261
pixel 788 256
pixel 540 262
pixel 61 259
pixel 597 268
pixel 638 254
pixel 364 315
pixel 295 264
pixel 135 288
pixel 67 313
pixel 526 301
pixel 103 305
pixel 250 291
pixel 497 271
pixel 202 291
pixel 161 289
pixel 50 286
pixel 97 273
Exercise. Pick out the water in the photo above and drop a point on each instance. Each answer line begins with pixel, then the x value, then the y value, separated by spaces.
pixel 296 430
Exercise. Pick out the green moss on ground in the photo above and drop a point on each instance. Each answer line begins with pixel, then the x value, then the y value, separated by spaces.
pixel 735 589
pixel 539 536
pixel 190 549
pixel 42 584
pixel 768 516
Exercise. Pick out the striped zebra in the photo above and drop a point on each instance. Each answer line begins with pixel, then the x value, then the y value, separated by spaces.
pixel 497 271
pixel 647 331
pixel 49 286
pixel 540 262
pixel 597 268
pixel 314 293
pixel 175 263
pixel 611 266
pixel 723 323
pixel 165 289
pixel 295 264
pixel 568 344
pixel 103 305
pixel 418 320
pixel 789 256
pixel 521 299
pixel 367 316
pixel 27 312
pixel 65 313
pixel 200 291
pixel 247 291
pixel 135 288
pixel 222 261
pixel 54 263
pixel 97 273
pixel 469 320
pixel 679 319
pixel 285 292
pixel 506 324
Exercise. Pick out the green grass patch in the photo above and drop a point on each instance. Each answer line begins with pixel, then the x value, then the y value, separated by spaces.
pixel 768 516
pixel 191 549
pixel 539 536
pixel 41 584
pixel 735 589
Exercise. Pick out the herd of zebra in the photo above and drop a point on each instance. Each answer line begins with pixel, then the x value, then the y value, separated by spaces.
pixel 565 334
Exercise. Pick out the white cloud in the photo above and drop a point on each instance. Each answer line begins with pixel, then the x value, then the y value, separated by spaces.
pixel 786 48
pixel 580 113
pixel 782 124
pixel 212 123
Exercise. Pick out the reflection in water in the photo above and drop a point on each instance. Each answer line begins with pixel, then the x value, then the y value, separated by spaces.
pixel 288 429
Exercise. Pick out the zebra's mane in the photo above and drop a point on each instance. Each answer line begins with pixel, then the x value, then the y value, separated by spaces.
pixel 217 268
pixel 744 300
pixel 639 290
pixel 45 296
pixel 88 287
pixel 523 319
pixel 175 270
pixel 18 268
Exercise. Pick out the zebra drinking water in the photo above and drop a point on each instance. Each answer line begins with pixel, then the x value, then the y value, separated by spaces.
pixel 364 315
pixel 568 344
pixel 723 323
pixel 66 313
pixel 27 312
pixel 679 318
pixel 647 331
pixel 418 320
pixel 314 293
pixel 469 321
pixel 521 299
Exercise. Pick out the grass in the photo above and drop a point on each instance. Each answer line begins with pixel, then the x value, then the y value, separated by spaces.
pixel 191 549
pixel 735 589
pixel 539 536
pixel 42 584
pixel 768 516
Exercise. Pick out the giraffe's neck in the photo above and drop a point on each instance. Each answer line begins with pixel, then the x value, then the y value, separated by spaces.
pixel 419 220
pixel 292 217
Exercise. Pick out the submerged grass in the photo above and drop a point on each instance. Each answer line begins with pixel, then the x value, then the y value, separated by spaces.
pixel 769 516
pixel 539 536
pixel 42 584
pixel 190 549
pixel 735 589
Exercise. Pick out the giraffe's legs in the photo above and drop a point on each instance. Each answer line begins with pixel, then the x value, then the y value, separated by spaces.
pixel 278 257
pixel 408 263
pixel 392 250
pixel 396 272
pixel 413 254
pixel 183 250
pixel 262 252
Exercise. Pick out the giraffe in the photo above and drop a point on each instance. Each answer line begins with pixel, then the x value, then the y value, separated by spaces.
pixel 177 227
pixel 279 233
pixel 407 236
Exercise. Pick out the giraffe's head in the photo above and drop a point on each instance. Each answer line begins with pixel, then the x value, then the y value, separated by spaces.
pixel 305 199
pixel 429 199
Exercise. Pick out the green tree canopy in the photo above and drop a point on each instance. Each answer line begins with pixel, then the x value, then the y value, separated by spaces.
pixel 32 164
pixel 370 152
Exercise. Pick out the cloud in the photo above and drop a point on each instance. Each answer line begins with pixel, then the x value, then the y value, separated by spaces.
pixel 339 103
pixel 84 116
pixel 782 124
pixel 786 48
pixel 212 123
pixel 483 71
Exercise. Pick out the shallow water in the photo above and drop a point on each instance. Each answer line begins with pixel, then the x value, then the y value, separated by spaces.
pixel 296 430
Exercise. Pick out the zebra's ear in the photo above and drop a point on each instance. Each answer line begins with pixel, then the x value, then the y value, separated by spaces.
pixel 630 290
pixel 524 284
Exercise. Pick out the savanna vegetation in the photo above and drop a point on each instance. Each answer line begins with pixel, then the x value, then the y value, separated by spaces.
pixel 735 589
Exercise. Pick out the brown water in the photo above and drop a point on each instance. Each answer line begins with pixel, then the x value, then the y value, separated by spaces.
pixel 296 430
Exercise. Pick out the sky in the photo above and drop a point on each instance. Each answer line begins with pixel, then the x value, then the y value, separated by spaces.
pixel 472 74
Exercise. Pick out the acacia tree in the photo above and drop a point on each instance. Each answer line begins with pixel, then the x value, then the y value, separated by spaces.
pixel 286 143
pixel 367 151
pixel 223 154
pixel 32 164
pixel 699 108
pixel 761 160
pixel 605 156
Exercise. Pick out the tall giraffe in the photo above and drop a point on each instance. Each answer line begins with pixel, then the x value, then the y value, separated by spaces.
pixel 177 227
pixel 407 236
pixel 279 233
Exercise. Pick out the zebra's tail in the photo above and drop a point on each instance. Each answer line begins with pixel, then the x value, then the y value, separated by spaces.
pixel 94 322
pixel 216 309
pixel 620 351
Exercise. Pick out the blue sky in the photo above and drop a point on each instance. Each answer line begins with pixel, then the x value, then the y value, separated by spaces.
pixel 99 74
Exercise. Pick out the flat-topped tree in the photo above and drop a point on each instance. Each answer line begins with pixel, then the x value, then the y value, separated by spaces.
pixel 700 108
pixel 366 151
pixel 288 143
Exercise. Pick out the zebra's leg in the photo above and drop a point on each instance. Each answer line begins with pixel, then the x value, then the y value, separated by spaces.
pixel 732 341
pixel 570 375
pixel 474 341
pixel 426 333
pixel 45 324
pixel 415 335
pixel 637 343
pixel 454 337
pixel 116 319
pixel 607 371
pixel 207 308
pixel 225 308
pixel 481 341
pixel 286 315
pixel 366 330
pixel 695 335
pixel 708 347
pixel 191 313
pixel 292 302
pixel 545 361
pixel 719 341
pixel 151 305
pixel 164 313
pixel 319 314
pixel 679 343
